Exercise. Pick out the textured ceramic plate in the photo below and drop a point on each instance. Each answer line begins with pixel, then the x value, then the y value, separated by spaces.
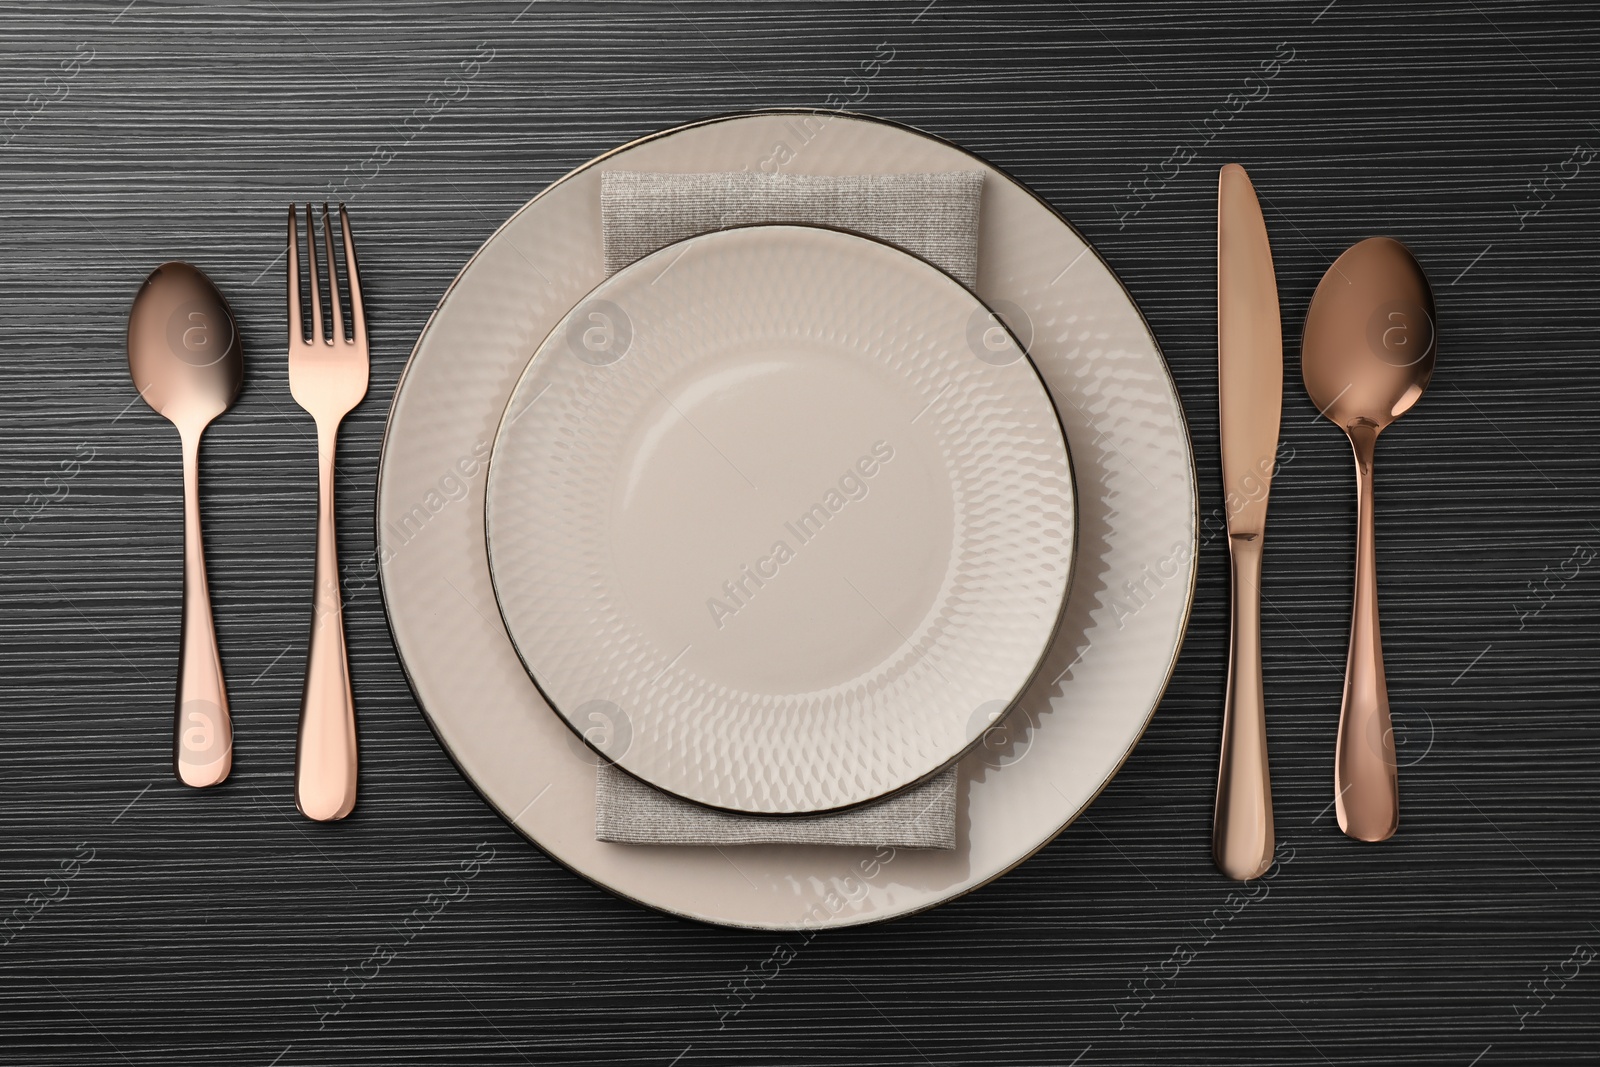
pixel 1133 572
pixel 759 498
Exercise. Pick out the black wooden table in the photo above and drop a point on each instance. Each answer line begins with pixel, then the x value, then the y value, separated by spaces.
pixel 145 923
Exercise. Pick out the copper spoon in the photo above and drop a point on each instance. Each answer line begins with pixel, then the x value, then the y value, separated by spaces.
pixel 1367 354
pixel 184 355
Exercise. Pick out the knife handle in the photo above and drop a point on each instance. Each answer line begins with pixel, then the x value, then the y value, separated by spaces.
pixel 1365 775
pixel 1242 839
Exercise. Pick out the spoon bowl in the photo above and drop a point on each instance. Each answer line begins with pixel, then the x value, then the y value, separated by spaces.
pixel 1367 355
pixel 183 346
pixel 1369 345
pixel 186 361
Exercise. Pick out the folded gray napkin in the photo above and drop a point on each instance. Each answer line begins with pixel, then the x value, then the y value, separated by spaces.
pixel 934 216
pixel 629 811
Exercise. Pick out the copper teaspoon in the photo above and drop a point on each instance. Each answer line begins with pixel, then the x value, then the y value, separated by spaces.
pixel 184 355
pixel 1367 354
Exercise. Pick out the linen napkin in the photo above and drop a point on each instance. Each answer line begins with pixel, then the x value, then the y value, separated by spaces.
pixel 934 216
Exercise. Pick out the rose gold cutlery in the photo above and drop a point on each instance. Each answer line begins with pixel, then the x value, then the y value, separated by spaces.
pixel 328 377
pixel 1367 354
pixel 1250 399
pixel 185 358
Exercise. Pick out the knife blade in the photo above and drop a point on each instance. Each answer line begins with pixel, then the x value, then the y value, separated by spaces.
pixel 1250 403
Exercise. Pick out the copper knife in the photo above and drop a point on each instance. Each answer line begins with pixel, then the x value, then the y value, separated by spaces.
pixel 1250 402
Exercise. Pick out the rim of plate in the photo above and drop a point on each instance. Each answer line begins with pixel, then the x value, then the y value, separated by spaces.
pixel 1166 371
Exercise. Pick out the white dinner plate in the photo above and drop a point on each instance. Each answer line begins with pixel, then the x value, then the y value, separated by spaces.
pixel 1133 576
pixel 766 500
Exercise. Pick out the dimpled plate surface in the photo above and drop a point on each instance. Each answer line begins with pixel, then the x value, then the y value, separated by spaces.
pixel 773 502
pixel 1133 572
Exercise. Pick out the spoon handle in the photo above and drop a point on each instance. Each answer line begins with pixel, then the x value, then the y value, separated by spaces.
pixel 1242 835
pixel 325 763
pixel 1368 790
pixel 202 747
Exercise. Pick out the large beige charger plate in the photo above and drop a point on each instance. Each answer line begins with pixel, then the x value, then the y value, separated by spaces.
pixel 1133 576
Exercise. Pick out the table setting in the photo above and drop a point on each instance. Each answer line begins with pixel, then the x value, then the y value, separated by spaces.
pixel 785 532
pixel 825 313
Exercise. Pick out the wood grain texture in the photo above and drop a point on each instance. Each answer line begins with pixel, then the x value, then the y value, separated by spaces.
pixel 195 928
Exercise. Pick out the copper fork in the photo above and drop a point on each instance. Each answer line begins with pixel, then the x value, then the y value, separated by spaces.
pixel 328 377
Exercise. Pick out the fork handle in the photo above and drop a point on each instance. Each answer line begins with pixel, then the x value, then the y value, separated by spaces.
pixel 1366 776
pixel 325 764
pixel 202 743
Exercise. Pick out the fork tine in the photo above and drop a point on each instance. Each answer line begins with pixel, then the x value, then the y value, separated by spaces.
pixel 311 270
pixel 333 278
pixel 358 315
pixel 297 328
